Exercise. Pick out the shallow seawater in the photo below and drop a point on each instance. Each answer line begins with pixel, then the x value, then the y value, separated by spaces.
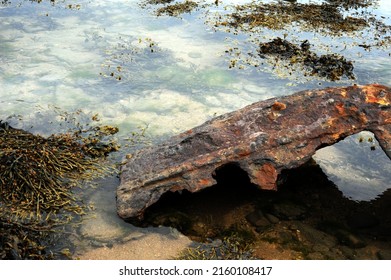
pixel 358 165
pixel 167 74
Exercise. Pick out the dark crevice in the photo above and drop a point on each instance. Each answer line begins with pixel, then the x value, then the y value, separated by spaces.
pixel 306 198
pixel 231 175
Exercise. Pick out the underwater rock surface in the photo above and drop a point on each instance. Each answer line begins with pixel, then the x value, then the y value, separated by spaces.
pixel 262 139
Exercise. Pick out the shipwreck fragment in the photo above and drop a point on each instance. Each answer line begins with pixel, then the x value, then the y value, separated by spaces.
pixel 262 139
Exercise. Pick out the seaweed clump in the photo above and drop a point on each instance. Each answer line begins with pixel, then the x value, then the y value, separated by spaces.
pixel 36 172
pixel 25 240
pixel 158 2
pixel 349 4
pixel 37 175
pixel 329 66
pixel 277 16
pixel 177 9
pixel 234 246
pixel 354 19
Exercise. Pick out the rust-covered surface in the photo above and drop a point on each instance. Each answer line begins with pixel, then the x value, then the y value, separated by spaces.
pixel 262 139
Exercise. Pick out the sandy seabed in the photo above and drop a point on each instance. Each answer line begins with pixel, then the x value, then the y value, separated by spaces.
pixel 150 247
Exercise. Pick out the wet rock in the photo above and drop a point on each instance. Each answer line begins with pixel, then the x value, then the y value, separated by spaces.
pixel 349 239
pixel 302 238
pixel 349 253
pixel 335 254
pixel 199 228
pixel 384 255
pixel 289 211
pixel 258 219
pixel 279 236
pixel 321 248
pixel 367 253
pixel 316 256
pixel 262 139
pixel 273 219
pixel 343 235
pixel 363 220
pixel 306 234
pixel 175 219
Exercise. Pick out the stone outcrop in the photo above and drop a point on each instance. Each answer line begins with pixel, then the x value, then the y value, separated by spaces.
pixel 262 139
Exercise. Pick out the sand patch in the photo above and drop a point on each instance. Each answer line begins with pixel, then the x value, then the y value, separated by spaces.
pixel 150 247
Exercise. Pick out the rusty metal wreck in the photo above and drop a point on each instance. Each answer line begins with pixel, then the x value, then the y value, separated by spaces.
pixel 262 139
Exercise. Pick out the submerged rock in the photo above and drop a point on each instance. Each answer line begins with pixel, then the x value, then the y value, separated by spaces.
pixel 262 139
pixel 331 66
pixel 258 219
pixel 289 211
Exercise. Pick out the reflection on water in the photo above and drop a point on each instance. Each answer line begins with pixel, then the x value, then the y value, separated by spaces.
pixel 119 60
pixel 358 166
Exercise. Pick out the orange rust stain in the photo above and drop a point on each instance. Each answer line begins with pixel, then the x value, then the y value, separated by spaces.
pixel 190 131
pixel 336 136
pixel 343 111
pixel 372 96
pixel 237 132
pixel 340 108
pixel 278 106
pixel 204 182
pixel 353 108
pixel 329 122
pixel 343 93
pixel 267 177
pixel 201 161
pixel 176 188
pixel 244 152
pixel 271 116
pixel 363 118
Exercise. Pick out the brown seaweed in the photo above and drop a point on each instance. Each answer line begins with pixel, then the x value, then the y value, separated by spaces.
pixel 37 176
pixel 276 16
pixel 329 66
pixel 177 9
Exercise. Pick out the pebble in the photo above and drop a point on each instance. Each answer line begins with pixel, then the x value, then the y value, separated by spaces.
pixel 258 219
pixel 384 255
pixel 349 239
pixel 289 211
pixel 273 219
pixel 321 248
pixel 315 256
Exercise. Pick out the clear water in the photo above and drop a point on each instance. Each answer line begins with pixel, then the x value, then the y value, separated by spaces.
pixel 118 60
pixel 53 54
